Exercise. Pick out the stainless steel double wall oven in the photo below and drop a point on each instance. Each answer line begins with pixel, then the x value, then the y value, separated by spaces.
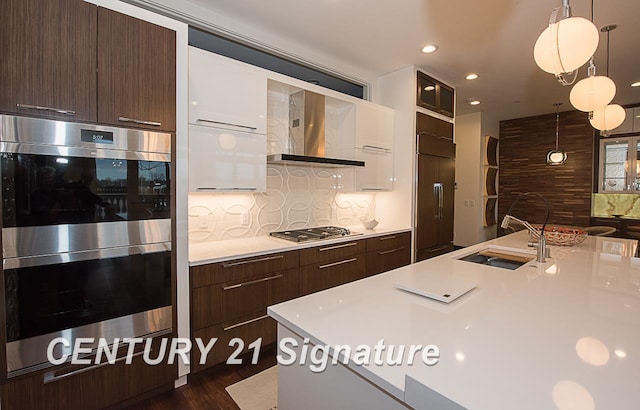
pixel 86 235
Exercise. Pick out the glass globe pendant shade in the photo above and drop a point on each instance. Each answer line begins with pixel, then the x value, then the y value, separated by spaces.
pixel 592 93
pixel 566 45
pixel 608 117
pixel 556 157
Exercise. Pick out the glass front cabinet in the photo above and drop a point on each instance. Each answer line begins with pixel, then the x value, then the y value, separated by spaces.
pixel 619 165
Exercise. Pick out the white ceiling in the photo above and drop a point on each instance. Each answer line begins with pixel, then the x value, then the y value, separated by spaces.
pixel 493 38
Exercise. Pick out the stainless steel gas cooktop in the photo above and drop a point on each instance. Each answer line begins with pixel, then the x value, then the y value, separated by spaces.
pixel 312 234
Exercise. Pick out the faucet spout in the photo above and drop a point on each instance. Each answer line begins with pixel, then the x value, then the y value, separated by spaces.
pixel 542 242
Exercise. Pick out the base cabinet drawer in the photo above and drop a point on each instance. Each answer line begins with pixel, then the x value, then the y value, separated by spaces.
pixel 91 386
pixel 386 242
pixel 320 276
pixel 331 252
pixel 423 254
pixel 388 259
pixel 238 269
pixel 229 300
pixel 247 329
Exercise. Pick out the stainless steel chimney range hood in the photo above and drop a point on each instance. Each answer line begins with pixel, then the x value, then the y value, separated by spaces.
pixel 307 134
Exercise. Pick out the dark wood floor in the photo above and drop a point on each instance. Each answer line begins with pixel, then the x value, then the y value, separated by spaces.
pixel 206 390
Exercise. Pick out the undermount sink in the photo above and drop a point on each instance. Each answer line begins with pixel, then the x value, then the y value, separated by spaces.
pixel 492 257
pixel 492 261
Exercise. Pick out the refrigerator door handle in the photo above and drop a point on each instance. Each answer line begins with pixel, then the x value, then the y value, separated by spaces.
pixel 437 193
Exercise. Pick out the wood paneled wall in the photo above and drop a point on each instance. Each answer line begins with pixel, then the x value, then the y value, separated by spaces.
pixel 524 143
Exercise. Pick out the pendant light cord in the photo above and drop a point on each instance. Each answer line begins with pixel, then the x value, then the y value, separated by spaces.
pixel 608 31
pixel 557 125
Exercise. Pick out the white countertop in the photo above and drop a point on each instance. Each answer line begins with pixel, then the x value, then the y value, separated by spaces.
pixel 542 336
pixel 201 253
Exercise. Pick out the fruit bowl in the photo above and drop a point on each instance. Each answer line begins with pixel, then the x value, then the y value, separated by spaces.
pixel 563 236
pixel 369 224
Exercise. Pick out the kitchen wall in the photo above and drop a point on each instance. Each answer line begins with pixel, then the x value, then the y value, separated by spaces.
pixel 470 132
pixel 524 143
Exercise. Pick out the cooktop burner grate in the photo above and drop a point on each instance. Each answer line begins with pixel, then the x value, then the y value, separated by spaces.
pixel 312 234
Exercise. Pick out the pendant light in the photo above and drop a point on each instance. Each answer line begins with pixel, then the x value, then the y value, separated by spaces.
pixel 566 44
pixel 611 116
pixel 593 92
pixel 557 157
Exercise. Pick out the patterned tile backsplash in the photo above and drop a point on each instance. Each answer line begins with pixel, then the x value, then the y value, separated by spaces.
pixel 616 204
pixel 296 197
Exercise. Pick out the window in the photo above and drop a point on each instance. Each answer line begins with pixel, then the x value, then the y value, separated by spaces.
pixel 620 165
pixel 259 58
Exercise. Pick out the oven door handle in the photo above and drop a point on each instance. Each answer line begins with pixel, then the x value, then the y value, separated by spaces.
pixel 107 253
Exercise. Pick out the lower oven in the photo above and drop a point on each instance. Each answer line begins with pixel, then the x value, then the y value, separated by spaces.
pixel 86 235
pixel 109 293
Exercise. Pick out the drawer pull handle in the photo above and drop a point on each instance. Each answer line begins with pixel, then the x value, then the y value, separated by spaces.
pixel 226 123
pixel 41 108
pixel 252 282
pixel 439 248
pixel 267 258
pixel 246 322
pixel 373 189
pixel 51 377
pixel 346 245
pixel 143 122
pixel 226 189
pixel 391 251
pixel 328 265
pixel 386 238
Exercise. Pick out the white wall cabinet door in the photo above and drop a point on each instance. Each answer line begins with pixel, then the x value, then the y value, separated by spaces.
pixel 222 160
pixel 377 173
pixel 226 93
pixel 374 126
pixel 374 146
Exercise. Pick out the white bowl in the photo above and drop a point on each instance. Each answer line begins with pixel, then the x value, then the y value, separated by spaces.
pixel 370 224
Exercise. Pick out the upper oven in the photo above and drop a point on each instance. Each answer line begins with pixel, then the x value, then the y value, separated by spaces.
pixel 86 235
pixel 70 187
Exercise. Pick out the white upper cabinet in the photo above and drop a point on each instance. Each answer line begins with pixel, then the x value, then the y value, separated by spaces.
pixel 374 126
pixel 374 146
pixel 226 93
pixel 377 173
pixel 222 160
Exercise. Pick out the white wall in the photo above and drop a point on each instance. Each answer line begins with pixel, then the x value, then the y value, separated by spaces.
pixel 470 131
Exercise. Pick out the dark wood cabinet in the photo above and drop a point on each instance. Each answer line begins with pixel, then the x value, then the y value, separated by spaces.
pixel 71 60
pixel 436 185
pixel 48 62
pixel 434 95
pixel 388 252
pixel 136 72
pixel 327 266
pixel 92 386
pixel 229 300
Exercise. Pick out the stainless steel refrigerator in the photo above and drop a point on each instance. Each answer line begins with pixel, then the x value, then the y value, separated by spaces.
pixel 435 187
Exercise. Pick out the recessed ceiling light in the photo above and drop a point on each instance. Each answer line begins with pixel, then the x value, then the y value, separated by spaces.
pixel 471 76
pixel 429 88
pixel 429 48
pixel 636 84
pixel 473 101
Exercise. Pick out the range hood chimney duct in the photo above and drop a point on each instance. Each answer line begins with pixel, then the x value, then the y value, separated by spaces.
pixel 307 133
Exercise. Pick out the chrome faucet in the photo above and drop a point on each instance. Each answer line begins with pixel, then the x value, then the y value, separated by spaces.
pixel 542 252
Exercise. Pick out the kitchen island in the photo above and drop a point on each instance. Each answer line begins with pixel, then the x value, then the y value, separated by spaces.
pixel 559 334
